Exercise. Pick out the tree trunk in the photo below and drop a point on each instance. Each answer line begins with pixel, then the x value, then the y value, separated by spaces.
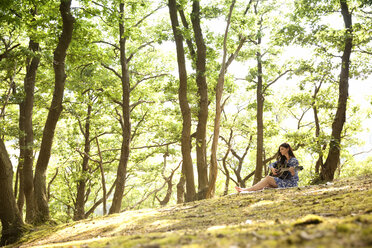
pixel 227 173
pixel 319 162
pixel 42 210
pixel 126 125
pixel 216 131
pixel 333 158
pixel 260 126
pixel 11 220
pixel 181 188
pixel 21 159
pixel 201 130
pixel 187 166
pixel 28 173
pixel 79 213
pixel 260 108
pixel 104 196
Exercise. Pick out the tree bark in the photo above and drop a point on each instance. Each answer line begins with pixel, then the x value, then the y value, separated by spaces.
pixel 11 220
pixel 19 177
pixel 28 173
pixel 260 107
pixel 260 127
pixel 126 125
pixel 216 131
pixel 201 130
pixel 103 180
pixel 319 162
pixel 330 165
pixel 181 188
pixel 187 166
pixel 42 210
pixel 224 164
pixel 79 212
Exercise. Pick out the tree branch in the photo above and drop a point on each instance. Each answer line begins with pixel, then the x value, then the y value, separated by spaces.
pixel 111 69
pixel 275 80
pixel 51 181
pixel 148 15
pixel 5 54
pixel 108 43
pixel 139 48
pixel 235 54
pixel 96 204
pixel 138 124
pixel 152 146
pixel 145 197
pixel 132 106
pixel 188 40
pixel 147 78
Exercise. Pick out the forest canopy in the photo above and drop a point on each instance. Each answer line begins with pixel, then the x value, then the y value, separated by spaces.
pixel 114 105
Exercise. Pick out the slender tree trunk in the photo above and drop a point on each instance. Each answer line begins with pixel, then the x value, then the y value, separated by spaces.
pixel 21 160
pixel 260 126
pixel 201 130
pixel 42 210
pixel 187 166
pixel 104 197
pixel 260 108
pixel 28 173
pixel 79 213
pixel 18 191
pixel 216 131
pixel 126 125
pixel 224 161
pixel 11 220
pixel 333 158
pixel 319 162
pixel 227 173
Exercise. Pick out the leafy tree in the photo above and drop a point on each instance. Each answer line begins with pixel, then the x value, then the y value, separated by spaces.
pixel 327 40
pixel 226 62
pixel 187 167
pixel 42 209
pixel 268 69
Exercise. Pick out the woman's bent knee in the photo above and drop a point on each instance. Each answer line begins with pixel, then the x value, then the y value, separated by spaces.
pixel 271 181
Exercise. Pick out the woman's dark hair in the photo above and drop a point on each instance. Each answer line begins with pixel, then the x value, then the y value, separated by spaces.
pixel 280 157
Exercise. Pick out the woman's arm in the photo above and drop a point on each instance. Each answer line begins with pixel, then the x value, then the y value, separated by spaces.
pixel 271 167
pixel 273 164
pixel 292 163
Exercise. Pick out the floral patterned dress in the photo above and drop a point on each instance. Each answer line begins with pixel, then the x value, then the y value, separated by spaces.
pixel 291 181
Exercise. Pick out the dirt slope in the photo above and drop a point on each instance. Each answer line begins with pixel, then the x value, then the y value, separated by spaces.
pixel 333 215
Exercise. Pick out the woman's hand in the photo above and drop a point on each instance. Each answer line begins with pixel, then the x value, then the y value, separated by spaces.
pixel 273 170
pixel 292 170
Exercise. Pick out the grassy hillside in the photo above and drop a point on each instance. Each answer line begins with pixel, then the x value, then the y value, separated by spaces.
pixel 333 215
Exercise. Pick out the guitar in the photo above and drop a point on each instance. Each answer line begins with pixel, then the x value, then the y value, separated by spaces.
pixel 283 172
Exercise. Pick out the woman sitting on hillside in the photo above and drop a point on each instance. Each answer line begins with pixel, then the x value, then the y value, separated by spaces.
pixel 285 157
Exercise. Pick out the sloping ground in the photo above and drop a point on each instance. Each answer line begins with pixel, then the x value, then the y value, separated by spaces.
pixel 333 215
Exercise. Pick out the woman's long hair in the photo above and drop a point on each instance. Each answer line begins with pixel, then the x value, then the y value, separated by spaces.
pixel 280 157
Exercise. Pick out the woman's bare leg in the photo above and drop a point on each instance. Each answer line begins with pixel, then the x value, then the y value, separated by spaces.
pixel 268 181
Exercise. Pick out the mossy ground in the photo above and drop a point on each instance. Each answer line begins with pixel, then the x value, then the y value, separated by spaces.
pixel 335 215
